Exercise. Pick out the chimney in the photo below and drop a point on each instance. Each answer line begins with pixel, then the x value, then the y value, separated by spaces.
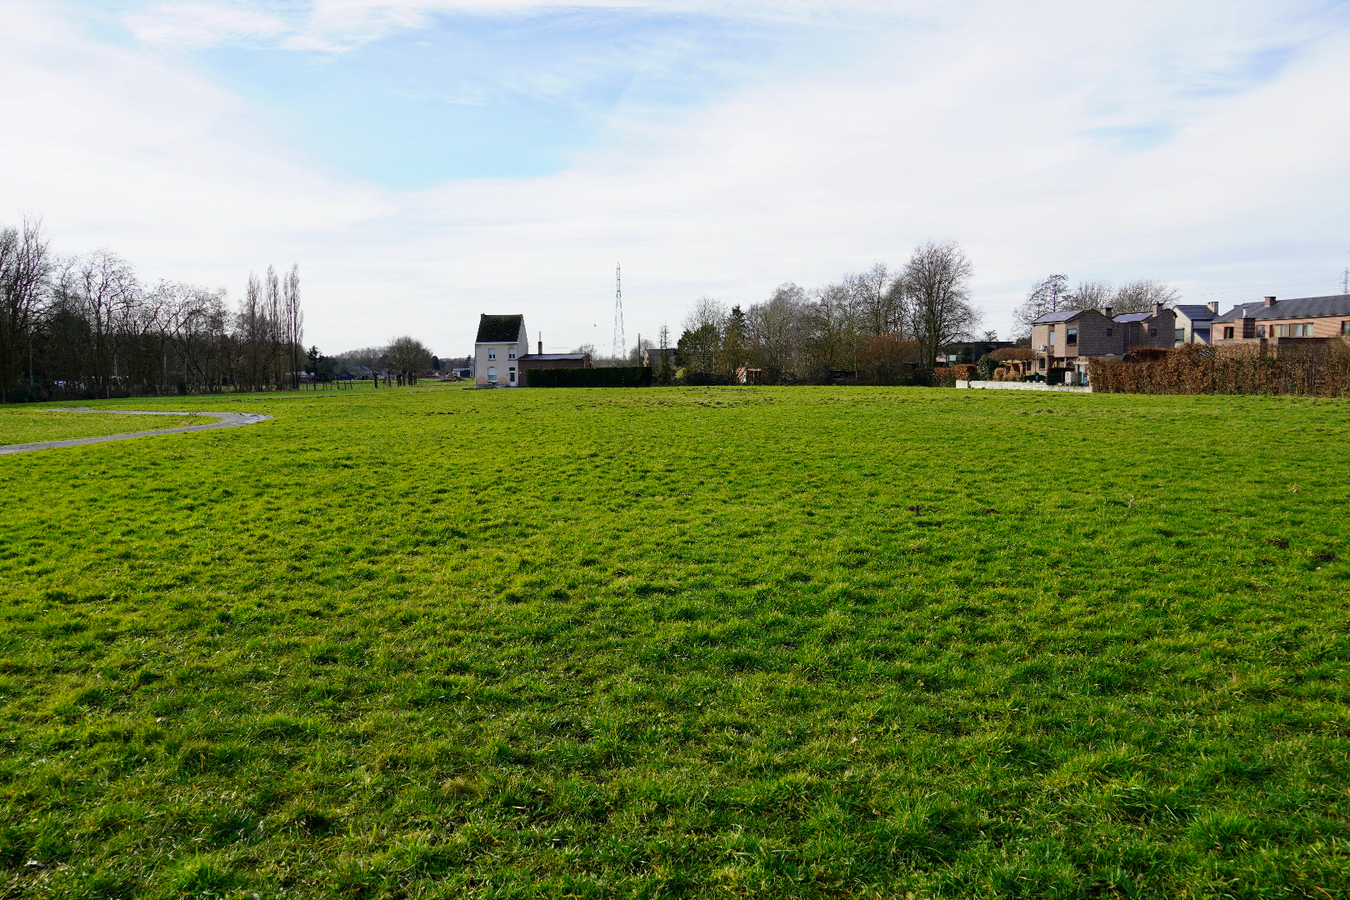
pixel 1110 313
pixel 1270 301
pixel 1157 308
pixel 541 346
pixel 1213 306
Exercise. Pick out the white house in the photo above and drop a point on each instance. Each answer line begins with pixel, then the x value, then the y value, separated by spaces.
pixel 501 342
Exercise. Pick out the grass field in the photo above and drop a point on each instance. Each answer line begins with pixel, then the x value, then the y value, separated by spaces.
pixel 664 643
pixel 32 424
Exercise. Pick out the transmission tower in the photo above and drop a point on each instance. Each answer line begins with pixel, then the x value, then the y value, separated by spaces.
pixel 1345 280
pixel 620 343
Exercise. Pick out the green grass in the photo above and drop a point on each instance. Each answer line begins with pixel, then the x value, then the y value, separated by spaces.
pixel 32 424
pixel 664 643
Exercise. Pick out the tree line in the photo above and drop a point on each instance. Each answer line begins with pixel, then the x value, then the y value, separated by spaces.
pixel 874 326
pixel 87 327
pixel 404 358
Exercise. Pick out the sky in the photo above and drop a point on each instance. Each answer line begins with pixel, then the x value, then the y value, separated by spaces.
pixel 425 161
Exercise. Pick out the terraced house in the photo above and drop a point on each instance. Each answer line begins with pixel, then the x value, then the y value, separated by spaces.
pixel 1064 341
pixel 1274 321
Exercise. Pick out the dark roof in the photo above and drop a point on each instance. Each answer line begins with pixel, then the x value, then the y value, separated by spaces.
pixel 1196 313
pixel 1298 308
pixel 554 356
pixel 499 329
pixel 1063 315
pixel 1133 317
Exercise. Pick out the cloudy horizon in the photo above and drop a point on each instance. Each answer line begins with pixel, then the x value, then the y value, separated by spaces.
pixel 424 161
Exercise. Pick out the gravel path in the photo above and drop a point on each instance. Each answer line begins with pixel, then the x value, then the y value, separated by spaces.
pixel 224 420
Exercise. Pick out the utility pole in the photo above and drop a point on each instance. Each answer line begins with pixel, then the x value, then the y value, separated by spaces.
pixel 620 344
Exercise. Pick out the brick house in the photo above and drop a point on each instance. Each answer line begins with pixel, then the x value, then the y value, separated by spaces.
pixel 1273 320
pixel 1064 341
pixel 1157 328
pixel 1193 322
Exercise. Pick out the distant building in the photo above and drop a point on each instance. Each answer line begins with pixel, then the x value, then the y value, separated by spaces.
pixel 969 351
pixel 502 357
pixel 652 357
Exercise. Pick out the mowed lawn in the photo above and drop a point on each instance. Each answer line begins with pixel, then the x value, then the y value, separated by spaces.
pixel 813 642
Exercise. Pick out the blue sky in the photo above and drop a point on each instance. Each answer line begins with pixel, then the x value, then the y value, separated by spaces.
pixel 474 95
pixel 428 160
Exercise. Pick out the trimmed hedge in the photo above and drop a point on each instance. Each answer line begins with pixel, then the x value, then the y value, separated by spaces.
pixel 618 376
pixel 1310 370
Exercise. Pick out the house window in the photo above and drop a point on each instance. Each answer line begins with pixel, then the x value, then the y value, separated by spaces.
pixel 1180 335
pixel 1345 328
pixel 1052 336
pixel 1041 363
pixel 1153 332
pixel 510 352
pixel 492 353
pixel 1110 331
pixel 1071 336
pixel 1260 331
pixel 492 374
pixel 1304 330
pixel 1228 333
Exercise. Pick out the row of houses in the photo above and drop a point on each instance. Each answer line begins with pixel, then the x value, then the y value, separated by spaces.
pixel 1064 341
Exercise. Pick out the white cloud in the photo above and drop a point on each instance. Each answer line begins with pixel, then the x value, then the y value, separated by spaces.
pixel 204 23
pixel 987 130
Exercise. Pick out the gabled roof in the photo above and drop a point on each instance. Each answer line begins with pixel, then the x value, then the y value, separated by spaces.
pixel 1196 313
pixel 499 329
pixel 1298 308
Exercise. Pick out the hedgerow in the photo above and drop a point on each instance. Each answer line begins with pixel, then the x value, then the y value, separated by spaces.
pixel 1311 370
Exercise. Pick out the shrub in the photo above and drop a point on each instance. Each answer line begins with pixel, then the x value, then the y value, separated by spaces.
pixel 1312 369
pixel 986 366
pixel 618 376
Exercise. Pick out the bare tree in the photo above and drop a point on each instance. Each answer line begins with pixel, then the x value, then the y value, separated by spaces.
pixel 408 357
pixel 272 325
pixel 880 307
pixel 1045 296
pixel 100 285
pixel 772 330
pixel 700 345
pixel 1091 295
pixel 937 280
pixel 1139 296
pixel 832 338
pixel 294 322
pixel 25 265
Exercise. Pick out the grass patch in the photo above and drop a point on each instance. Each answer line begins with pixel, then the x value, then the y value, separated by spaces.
pixel 683 642
pixel 25 424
